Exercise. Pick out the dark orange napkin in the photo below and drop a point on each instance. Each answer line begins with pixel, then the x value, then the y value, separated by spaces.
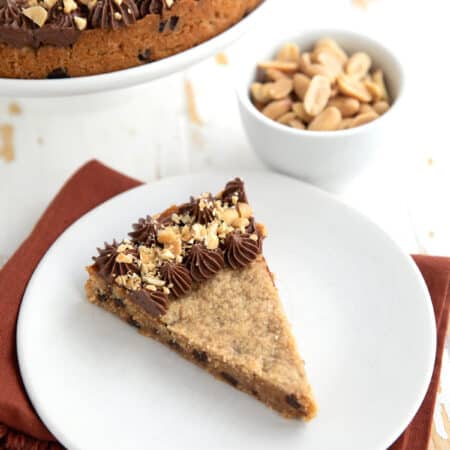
pixel 20 427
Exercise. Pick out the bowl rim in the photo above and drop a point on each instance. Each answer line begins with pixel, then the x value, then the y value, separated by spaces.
pixel 242 90
pixel 125 78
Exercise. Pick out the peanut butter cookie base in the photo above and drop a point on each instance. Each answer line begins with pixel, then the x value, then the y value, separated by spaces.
pixel 154 37
pixel 234 327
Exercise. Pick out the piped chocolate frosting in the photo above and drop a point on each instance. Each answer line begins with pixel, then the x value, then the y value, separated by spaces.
pixel 168 254
pixel 113 14
pixel 15 28
pixel 202 263
pixel 234 189
pixel 145 231
pixel 32 23
pixel 60 29
pixel 110 265
pixel 150 7
pixel 201 209
pixel 155 303
pixel 240 250
pixel 177 277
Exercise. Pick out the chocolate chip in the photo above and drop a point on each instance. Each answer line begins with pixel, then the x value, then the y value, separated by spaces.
pixel 134 323
pixel 145 56
pixel 119 303
pixel 60 72
pixel 291 400
pixel 229 378
pixel 102 297
pixel 162 25
pixel 200 356
pixel 173 22
pixel 176 346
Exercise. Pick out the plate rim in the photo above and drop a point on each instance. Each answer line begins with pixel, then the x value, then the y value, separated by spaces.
pixel 133 76
pixel 407 259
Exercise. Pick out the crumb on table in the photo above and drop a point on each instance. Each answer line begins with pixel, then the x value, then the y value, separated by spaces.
pixel 6 142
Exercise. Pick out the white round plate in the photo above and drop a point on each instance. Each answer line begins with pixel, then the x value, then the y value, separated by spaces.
pixel 136 75
pixel 358 305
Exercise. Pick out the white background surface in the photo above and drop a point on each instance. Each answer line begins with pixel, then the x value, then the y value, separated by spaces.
pixel 146 131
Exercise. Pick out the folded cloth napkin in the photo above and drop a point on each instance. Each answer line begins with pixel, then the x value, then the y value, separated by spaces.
pixel 20 427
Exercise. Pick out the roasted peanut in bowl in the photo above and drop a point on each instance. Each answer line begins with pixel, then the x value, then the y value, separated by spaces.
pixel 318 106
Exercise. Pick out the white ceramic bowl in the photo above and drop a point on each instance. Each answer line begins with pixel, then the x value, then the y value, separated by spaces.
pixel 136 75
pixel 329 159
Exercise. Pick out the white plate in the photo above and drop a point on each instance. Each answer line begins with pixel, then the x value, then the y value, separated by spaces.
pixel 358 305
pixel 134 76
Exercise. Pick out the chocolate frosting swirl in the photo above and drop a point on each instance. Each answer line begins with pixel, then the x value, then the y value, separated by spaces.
pixel 153 302
pixel 106 263
pixel 150 7
pixel 11 13
pixel 15 28
pixel 203 263
pixel 234 187
pixel 60 29
pixel 177 278
pixel 110 15
pixel 145 231
pixel 251 229
pixel 240 250
pixel 200 209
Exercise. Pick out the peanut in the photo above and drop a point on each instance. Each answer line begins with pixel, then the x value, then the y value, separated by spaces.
pixel 300 112
pixel 166 236
pixel 358 65
pixel 362 119
pixel 290 52
pixel 37 14
pixel 275 74
pixel 230 215
pixel 241 223
pixel 327 60
pixel 317 95
pixel 378 78
pixel 277 108
pixel 365 108
pixel 69 6
pixel 261 229
pixel 80 22
pixel 312 69
pixel 353 88
pixel 347 106
pixel 297 124
pixel 345 123
pixel 286 118
pixel 304 62
pixel 328 120
pixel 260 92
pixel 331 46
pixel 301 84
pixel 281 88
pixel 381 107
pixel 245 210
pixel 374 89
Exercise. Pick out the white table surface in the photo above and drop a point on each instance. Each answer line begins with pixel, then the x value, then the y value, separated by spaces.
pixel 147 132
